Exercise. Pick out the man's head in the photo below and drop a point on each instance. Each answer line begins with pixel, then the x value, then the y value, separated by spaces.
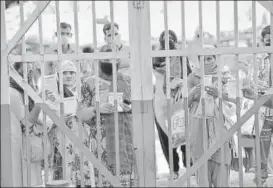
pixel 172 39
pixel 66 33
pixel 69 73
pixel 108 34
pixel 266 35
pixel 105 65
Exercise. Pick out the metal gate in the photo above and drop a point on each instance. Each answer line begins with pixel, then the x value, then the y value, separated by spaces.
pixel 140 56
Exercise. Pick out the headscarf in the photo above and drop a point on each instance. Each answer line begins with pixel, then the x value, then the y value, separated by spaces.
pixel 68 66
pixel 209 68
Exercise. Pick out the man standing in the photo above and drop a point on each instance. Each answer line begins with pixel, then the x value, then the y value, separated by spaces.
pixel 66 35
pixel 265 77
pixel 124 65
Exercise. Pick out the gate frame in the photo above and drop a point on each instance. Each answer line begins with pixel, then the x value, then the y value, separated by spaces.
pixel 6 160
pixel 142 99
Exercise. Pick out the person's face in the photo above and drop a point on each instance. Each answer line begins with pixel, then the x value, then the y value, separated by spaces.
pixel 171 42
pixel 69 78
pixel 266 40
pixel 66 35
pixel 209 59
pixel 108 37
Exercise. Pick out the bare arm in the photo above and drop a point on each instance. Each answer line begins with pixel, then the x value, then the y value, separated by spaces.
pixel 249 94
pixel 86 112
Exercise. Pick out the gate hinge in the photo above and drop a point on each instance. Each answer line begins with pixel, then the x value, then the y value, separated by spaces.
pixel 138 4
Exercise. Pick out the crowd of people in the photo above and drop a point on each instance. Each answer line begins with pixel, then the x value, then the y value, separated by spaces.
pixel 100 128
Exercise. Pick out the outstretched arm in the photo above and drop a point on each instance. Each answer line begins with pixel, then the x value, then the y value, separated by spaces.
pixel 249 94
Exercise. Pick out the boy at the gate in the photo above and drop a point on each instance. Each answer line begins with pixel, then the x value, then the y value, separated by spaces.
pixel 124 65
pixel 265 77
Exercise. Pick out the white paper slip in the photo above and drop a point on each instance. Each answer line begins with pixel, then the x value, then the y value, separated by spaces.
pixel 70 105
pixel 208 80
pixel 119 100
pixel 50 82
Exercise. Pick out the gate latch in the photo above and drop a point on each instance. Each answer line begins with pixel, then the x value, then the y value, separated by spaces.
pixel 138 4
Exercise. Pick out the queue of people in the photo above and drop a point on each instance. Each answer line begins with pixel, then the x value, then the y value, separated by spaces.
pixel 85 114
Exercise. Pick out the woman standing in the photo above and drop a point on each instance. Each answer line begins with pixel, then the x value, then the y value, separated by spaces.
pixel 87 114
pixel 18 133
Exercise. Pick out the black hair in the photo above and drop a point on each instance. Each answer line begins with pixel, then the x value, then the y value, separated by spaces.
pixel 108 26
pixel 65 25
pixel 265 31
pixel 88 49
pixel 171 32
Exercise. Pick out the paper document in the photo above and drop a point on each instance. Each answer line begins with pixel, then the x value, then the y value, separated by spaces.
pixel 70 106
pixel 119 100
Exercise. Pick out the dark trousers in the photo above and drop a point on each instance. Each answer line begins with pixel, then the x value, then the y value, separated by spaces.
pixel 165 147
pixel 265 141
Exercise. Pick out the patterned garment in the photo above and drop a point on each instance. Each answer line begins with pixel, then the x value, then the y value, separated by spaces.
pixel 127 160
pixel 212 130
pixel 265 76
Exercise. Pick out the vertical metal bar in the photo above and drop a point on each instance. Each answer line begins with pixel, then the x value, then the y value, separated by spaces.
pixel 26 101
pixel 257 121
pixel 238 95
pixel 204 125
pixel 97 96
pixel 271 44
pixel 220 94
pixel 61 86
pixel 78 82
pixel 7 178
pixel 142 93
pixel 114 63
pixel 185 90
pixel 43 96
pixel 168 92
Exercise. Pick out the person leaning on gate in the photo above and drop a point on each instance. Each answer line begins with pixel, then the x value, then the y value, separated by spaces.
pixel 124 66
pixel 265 76
pixel 213 125
pixel 87 114
pixel 160 100
pixel 18 130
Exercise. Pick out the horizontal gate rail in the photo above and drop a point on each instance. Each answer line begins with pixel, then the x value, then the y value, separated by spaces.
pixel 215 51
pixel 207 154
pixel 74 56
pixel 27 24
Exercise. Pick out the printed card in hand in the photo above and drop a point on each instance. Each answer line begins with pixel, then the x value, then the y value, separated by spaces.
pixel 119 100
pixel 51 89
pixel 178 128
